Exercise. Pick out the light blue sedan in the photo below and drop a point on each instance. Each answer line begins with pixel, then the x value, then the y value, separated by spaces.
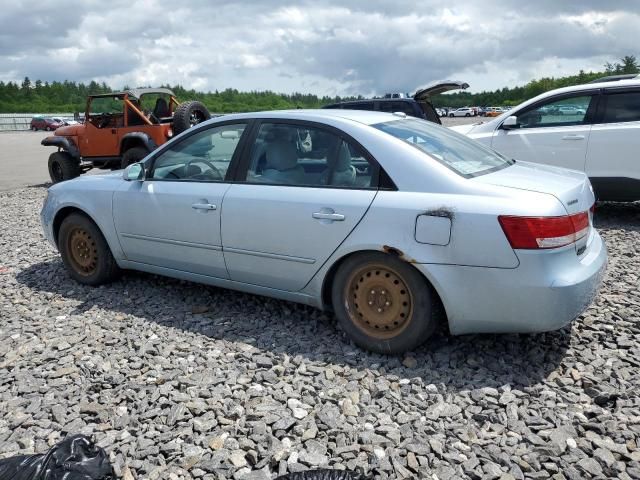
pixel 393 222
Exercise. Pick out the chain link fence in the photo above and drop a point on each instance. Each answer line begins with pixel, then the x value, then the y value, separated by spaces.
pixel 11 122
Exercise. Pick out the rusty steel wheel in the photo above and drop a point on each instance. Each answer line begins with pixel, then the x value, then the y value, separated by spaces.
pixel 383 303
pixel 378 301
pixel 83 251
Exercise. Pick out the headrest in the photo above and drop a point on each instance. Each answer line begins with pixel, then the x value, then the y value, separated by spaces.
pixel 281 155
pixel 343 161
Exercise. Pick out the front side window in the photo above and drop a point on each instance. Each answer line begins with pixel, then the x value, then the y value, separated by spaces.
pixel 457 152
pixel 622 107
pixel 567 111
pixel 202 157
pixel 297 155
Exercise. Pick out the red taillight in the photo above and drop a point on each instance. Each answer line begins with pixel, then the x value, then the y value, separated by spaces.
pixel 544 232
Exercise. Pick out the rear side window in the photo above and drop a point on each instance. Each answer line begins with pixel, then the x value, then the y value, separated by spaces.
pixel 464 156
pixel 299 155
pixel 622 107
pixel 360 106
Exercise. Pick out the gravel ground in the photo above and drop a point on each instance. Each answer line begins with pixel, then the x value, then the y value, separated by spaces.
pixel 180 381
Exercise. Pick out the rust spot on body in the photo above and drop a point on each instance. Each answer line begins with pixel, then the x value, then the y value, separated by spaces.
pixel 398 253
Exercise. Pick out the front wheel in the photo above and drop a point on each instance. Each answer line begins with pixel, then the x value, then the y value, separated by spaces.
pixel 63 166
pixel 451 115
pixel 85 253
pixel 383 303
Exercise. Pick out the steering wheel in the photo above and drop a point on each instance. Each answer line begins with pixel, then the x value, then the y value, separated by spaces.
pixel 217 175
pixel 104 120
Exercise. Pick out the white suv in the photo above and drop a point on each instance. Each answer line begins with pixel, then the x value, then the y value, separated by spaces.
pixel 463 112
pixel 594 128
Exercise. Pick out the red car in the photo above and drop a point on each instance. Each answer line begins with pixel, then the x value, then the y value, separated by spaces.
pixel 45 123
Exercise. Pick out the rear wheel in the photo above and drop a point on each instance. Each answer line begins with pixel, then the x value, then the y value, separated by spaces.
pixel 133 155
pixel 85 253
pixel 34 128
pixel 63 166
pixel 467 114
pixel 383 303
pixel 189 114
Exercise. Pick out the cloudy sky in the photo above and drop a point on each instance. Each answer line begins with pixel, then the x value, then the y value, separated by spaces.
pixel 319 46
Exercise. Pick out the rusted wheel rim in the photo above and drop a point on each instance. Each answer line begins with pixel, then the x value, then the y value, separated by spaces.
pixel 378 301
pixel 83 252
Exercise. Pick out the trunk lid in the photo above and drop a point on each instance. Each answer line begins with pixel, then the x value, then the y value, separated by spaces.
pixel 570 187
pixel 435 88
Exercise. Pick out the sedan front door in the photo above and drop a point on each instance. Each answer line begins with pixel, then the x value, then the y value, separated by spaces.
pixel 172 218
pixel 546 135
pixel 298 201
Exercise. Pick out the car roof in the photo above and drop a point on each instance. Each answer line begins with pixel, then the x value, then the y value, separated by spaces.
pixel 592 86
pixel 367 117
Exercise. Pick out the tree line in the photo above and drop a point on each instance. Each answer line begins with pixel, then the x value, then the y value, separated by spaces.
pixel 69 96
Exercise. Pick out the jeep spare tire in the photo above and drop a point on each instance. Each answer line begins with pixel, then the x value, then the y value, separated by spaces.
pixel 189 114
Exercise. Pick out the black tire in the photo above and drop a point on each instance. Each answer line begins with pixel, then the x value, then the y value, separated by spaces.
pixel 451 115
pixel 63 166
pixel 467 114
pixel 409 304
pixel 79 234
pixel 34 128
pixel 133 155
pixel 189 114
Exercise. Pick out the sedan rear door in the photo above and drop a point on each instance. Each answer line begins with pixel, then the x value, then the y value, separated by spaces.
pixel 293 203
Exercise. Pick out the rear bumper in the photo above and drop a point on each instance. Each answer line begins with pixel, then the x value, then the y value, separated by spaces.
pixel 545 292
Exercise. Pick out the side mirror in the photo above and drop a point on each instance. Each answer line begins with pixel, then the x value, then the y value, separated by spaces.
pixel 510 123
pixel 134 172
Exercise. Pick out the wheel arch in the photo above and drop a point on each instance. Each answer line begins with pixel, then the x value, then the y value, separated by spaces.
pixel 63 213
pixel 387 250
pixel 63 143
pixel 136 139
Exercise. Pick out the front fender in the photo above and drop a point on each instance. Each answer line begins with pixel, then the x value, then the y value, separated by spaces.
pixel 63 143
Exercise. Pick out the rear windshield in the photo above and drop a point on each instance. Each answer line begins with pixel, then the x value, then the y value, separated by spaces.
pixel 455 151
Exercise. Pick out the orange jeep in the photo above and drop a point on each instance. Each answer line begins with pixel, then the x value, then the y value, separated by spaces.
pixel 120 129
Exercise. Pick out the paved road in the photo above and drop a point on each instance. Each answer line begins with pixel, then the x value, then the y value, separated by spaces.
pixel 23 161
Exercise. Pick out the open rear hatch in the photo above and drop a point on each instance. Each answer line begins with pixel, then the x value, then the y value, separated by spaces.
pixel 423 94
pixel 570 187
pixel 436 88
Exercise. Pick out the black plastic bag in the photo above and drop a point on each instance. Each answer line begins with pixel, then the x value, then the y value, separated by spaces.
pixel 321 475
pixel 74 458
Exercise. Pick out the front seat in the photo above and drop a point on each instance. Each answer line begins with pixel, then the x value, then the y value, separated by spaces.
pixel 344 174
pixel 161 109
pixel 282 164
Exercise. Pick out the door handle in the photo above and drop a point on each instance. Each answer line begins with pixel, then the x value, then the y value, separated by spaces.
pixel 113 130
pixel 203 206
pixel 335 217
pixel 573 137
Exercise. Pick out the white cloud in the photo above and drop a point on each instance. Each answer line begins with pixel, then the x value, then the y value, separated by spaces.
pixel 322 46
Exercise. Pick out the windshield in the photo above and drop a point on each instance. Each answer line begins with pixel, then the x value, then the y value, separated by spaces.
pixel 455 151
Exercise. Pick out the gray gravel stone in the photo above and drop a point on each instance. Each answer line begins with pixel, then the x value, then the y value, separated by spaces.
pixel 182 381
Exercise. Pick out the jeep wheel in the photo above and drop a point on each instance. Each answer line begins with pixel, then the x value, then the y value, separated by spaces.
pixel 63 166
pixel 189 114
pixel 133 155
pixel 34 128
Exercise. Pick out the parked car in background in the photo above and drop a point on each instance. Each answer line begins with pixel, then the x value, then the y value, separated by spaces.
pixel 45 123
pixel 462 112
pixel 393 222
pixel 493 112
pixel 418 106
pixel 593 128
